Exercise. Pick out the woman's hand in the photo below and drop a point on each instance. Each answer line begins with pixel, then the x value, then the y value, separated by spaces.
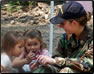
pixel 59 60
pixel 44 60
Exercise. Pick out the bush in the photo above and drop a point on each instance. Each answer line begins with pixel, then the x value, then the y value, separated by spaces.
pixel 13 6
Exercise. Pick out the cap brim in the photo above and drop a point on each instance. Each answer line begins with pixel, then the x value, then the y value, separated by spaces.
pixel 56 20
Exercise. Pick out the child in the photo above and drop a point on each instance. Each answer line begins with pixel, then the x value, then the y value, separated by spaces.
pixel 34 46
pixel 12 44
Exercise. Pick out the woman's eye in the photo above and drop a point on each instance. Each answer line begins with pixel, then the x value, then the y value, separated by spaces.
pixel 62 23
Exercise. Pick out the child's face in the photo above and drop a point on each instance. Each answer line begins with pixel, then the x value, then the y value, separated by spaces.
pixel 32 44
pixel 18 48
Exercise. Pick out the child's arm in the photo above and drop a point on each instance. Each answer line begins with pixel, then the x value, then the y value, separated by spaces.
pixel 19 62
pixel 2 68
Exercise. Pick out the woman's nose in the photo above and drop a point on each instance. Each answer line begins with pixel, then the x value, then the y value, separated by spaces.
pixel 60 25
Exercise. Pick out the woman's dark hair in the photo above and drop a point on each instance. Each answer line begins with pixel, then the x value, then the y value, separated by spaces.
pixel 10 39
pixel 34 34
pixel 82 20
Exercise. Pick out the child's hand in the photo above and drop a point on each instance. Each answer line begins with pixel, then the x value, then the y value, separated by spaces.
pixel 30 56
pixel 34 66
pixel 44 60
pixel 2 68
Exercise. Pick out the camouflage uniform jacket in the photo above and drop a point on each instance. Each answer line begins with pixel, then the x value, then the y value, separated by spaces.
pixel 78 54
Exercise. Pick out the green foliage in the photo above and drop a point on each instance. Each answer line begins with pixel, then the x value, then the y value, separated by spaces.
pixel 14 6
pixel 32 3
pixel 23 3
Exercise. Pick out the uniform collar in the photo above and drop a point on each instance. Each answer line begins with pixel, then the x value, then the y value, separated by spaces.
pixel 86 33
pixel 84 36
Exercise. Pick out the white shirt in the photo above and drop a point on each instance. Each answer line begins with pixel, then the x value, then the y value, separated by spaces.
pixel 6 62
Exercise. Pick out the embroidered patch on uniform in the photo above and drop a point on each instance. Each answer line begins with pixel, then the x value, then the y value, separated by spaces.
pixel 81 42
pixel 61 10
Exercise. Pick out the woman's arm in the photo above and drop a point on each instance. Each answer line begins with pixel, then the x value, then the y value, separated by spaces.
pixel 81 64
pixel 59 51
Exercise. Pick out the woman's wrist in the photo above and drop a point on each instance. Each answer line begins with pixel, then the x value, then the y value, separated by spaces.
pixel 60 61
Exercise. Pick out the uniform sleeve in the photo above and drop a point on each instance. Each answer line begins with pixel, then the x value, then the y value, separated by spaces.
pixel 82 64
pixel 59 50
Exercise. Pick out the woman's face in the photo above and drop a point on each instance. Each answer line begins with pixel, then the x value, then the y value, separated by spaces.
pixel 32 45
pixel 68 26
pixel 18 48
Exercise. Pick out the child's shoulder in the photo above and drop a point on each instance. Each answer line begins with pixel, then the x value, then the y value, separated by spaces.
pixel 45 49
pixel 5 60
pixel 45 52
pixel 4 55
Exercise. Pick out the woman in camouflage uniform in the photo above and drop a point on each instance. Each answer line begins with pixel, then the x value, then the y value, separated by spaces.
pixel 75 48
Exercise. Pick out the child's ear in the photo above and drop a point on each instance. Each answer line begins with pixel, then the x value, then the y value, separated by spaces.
pixel 41 42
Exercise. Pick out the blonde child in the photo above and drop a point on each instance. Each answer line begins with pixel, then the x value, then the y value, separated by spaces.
pixel 34 46
pixel 12 44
